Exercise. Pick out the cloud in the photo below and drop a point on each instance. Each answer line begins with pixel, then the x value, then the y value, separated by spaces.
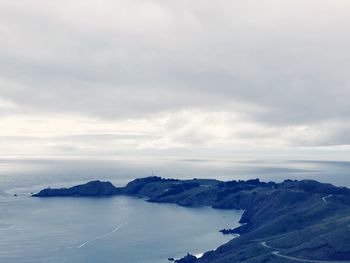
pixel 205 132
pixel 230 73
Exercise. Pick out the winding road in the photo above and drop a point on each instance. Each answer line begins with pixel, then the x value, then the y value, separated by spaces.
pixel 278 254
pixel 325 198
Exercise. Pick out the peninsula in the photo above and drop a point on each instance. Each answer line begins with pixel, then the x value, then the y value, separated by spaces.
pixel 292 221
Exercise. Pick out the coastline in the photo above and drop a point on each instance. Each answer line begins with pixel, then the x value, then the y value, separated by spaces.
pixel 273 212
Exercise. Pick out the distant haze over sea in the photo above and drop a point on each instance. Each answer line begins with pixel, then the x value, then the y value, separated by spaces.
pixel 35 172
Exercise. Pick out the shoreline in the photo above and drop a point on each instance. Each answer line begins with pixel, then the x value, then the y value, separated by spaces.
pixel 275 212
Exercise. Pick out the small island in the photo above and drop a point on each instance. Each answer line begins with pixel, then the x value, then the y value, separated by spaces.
pixel 292 221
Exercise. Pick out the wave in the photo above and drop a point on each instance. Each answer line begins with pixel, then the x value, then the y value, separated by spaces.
pixel 102 236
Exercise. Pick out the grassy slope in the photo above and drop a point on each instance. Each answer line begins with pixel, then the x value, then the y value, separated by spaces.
pixel 303 219
pixel 291 217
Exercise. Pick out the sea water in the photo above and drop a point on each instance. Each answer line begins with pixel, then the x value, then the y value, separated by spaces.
pixel 123 229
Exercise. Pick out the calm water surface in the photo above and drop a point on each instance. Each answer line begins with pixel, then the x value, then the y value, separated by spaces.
pixel 122 229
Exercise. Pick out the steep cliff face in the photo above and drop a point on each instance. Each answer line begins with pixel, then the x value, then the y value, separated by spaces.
pixel 293 220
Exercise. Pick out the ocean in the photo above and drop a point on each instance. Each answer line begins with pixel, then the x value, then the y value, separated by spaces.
pixel 124 229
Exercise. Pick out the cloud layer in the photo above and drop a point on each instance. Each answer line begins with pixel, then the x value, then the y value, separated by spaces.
pixel 189 73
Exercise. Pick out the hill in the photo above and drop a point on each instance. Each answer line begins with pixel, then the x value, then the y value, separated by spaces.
pixel 292 221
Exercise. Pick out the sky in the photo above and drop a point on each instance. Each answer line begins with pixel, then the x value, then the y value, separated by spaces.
pixel 163 77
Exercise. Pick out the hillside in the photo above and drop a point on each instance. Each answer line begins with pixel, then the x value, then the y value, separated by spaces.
pixel 292 221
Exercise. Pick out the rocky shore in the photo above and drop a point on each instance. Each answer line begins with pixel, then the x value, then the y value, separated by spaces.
pixel 303 221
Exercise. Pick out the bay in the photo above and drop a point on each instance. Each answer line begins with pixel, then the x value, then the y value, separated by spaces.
pixel 124 229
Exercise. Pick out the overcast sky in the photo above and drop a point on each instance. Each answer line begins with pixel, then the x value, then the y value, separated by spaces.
pixel 109 77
